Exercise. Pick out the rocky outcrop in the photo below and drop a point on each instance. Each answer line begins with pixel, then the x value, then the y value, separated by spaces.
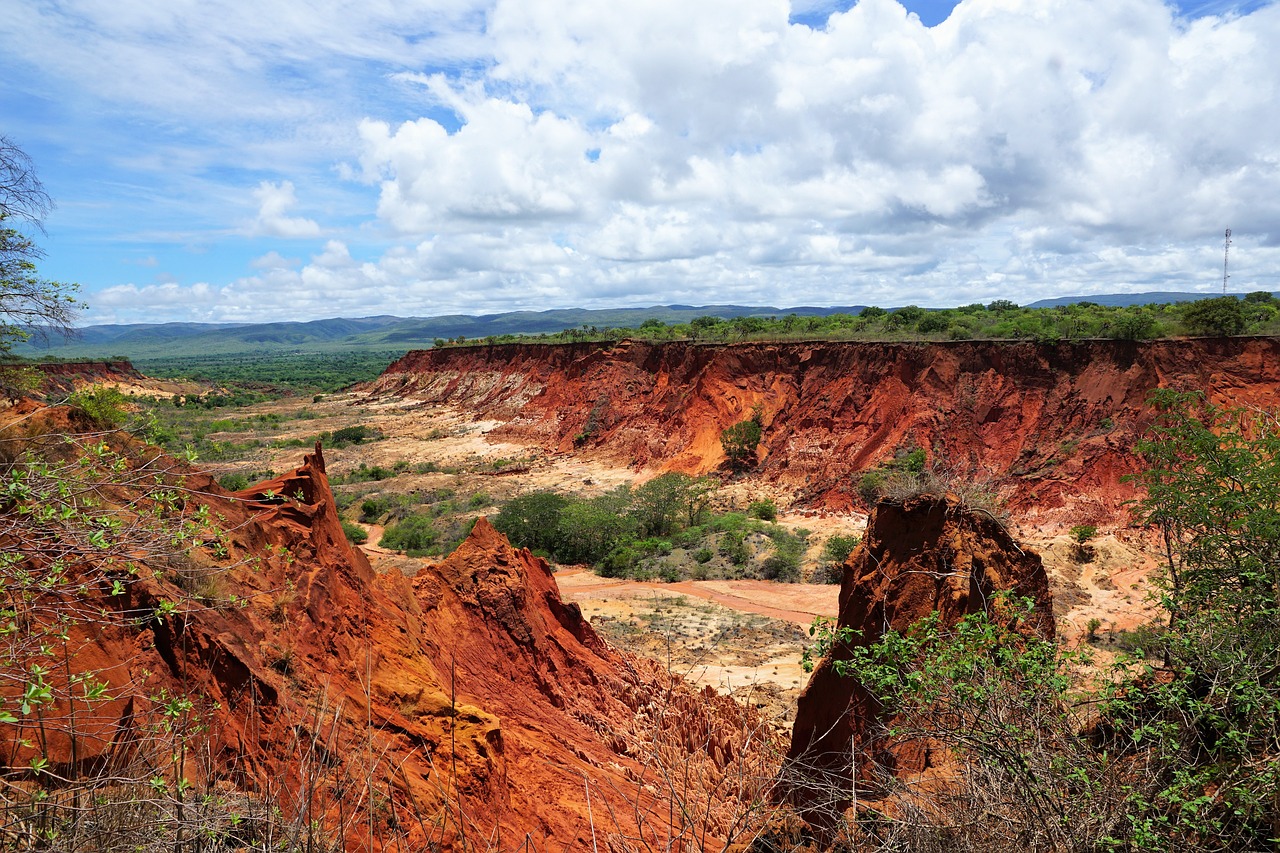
pixel 469 702
pixel 68 376
pixel 1053 424
pixel 928 554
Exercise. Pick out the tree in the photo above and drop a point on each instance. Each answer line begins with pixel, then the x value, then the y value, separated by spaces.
pixel 663 502
pixel 1213 493
pixel 740 442
pixel 27 301
pixel 1218 317
pixel 533 520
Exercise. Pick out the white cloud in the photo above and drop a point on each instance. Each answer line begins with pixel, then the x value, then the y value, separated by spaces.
pixel 513 154
pixel 273 201
pixel 273 260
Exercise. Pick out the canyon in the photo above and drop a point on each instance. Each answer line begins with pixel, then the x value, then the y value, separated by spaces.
pixel 465 703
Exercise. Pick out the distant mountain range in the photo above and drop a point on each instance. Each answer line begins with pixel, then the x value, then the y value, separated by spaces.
pixel 388 333
pixel 145 340
pixel 1155 297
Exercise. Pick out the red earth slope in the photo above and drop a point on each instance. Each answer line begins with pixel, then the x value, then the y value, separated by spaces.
pixel 469 702
pixel 1053 425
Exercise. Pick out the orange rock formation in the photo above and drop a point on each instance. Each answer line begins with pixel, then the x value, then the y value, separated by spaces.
pixel 469 702
pixel 926 554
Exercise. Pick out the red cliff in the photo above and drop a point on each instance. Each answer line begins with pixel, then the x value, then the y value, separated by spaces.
pixel 1053 425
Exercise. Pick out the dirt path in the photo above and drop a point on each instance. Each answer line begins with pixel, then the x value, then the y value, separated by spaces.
pixel 798 603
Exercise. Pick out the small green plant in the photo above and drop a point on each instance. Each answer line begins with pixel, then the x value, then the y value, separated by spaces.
pixel 1081 550
pixel 765 510
pixel 1082 533
pixel 838 548
pixel 871 485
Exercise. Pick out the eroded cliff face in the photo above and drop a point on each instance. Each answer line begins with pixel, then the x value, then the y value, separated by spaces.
pixel 1052 425
pixel 924 555
pixel 468 701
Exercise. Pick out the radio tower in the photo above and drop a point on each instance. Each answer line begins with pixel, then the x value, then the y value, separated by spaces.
pixel 1226 250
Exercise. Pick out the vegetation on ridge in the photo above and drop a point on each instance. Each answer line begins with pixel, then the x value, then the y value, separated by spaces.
pixel 1257 313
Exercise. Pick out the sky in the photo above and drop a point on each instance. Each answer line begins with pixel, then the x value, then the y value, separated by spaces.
pixel 219 160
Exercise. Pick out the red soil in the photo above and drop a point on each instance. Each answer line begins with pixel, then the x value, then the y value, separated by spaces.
pixel 470 700
pixel 1052 425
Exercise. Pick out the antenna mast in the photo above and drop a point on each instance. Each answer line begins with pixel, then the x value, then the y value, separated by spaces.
pixel 1226 249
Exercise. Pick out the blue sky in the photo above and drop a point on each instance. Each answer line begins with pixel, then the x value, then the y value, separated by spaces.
pixel 223 160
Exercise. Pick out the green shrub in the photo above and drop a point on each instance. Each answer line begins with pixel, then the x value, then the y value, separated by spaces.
pixel 413 535
pixel 871 485
pixel 353 435
pixel 532 521
pixel 740 442
pixel 838 548
pixel 105 406
pixel 1220 317
pixel 703 555
pixel 1082 533
pixel 621 562
pixel 372 509
pixel 734 546
pixel 356 534
pixel 765 510
pixel 234 482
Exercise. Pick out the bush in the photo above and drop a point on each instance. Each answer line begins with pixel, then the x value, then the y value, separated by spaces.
pixel 1082 533
pixel 765 510
pixel 871 486
pixel 353 435
pixel 234 482
pixel 532 521
pixel 105 406
pixel 933 322
pixel 356 534
pixel 740 442
pixel 703 555
pixel 734 546
pixel 1220 317
pixel 838 548
pixel 414 535
pixel 372 509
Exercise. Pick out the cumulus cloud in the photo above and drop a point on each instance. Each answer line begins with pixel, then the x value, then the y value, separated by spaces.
pixel 273 201
pixel 563 152
pixel 273 260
